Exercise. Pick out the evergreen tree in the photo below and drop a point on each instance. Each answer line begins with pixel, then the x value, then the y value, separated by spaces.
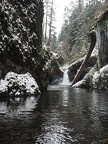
pixel 75 28
pixel 54 42
pixel 49 28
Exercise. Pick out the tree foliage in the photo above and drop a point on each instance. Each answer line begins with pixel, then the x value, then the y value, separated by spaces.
pixel 77 25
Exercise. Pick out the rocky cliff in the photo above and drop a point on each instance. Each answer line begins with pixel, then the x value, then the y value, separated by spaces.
pixel 21 40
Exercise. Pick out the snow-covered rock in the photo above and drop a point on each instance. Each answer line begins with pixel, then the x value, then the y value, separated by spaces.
pixel 80 84
pixel 19 84
pixel 95 79
pixel 100 78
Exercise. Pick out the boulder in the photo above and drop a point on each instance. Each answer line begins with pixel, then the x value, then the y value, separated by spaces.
pixel 19 85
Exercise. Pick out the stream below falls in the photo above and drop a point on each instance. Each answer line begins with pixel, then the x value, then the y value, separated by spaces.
pixel 62 115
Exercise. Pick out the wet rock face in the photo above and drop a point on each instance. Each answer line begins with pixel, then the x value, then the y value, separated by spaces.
pixel 53 66
pixel 102 39
pixel 55 73
pixel 21 39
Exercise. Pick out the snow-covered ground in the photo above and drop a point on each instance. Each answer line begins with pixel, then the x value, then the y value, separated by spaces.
pixel 19 84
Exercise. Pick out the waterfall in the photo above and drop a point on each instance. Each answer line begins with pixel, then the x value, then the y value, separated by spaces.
pixel 65 80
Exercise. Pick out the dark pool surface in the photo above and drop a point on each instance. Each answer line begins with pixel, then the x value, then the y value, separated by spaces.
pixel 62 115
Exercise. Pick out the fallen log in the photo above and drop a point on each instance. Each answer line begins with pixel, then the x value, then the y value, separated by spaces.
pixel 92 45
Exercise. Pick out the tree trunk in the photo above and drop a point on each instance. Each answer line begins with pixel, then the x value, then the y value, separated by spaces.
pixel 93 42
pixel 46 21
pixel 50 24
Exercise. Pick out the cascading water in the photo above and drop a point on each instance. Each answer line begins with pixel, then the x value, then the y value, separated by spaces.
pixel 65 80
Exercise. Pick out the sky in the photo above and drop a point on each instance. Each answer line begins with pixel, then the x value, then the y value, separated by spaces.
pixel 60 5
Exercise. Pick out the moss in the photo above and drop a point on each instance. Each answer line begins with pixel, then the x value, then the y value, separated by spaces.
pixel 96 66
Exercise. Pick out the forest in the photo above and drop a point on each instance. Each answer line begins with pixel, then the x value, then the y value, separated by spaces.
pixel 53 85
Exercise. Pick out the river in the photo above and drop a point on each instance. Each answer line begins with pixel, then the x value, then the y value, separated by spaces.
pixel 62 115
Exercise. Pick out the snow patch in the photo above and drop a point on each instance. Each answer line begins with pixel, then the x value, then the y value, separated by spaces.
pixel 96 75
pixel 103 69
pixel 19 84
pixel 79 83
pixel 100 78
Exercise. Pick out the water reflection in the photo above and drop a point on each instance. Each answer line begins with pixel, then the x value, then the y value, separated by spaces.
pixel 61 116
pixel 65 96
pixel 15 106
